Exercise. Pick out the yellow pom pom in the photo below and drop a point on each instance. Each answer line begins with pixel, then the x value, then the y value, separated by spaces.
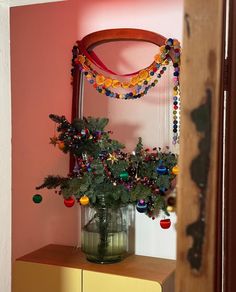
pixel 175 92
pixel 176 43
pixel 175 170
pixel 134 80
pixel 116 83
pixel 162 49
pixel 125 84
pixel 143 74
pixel 108 82
pixel 81 59
pixel 88 76
pixel 100 79
pixel 84 200
pixel 158 58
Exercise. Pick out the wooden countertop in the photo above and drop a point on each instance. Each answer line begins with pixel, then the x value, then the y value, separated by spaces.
pixel 143 267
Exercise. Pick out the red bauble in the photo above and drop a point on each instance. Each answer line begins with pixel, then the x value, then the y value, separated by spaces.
pixel 69 202
pixel 165 223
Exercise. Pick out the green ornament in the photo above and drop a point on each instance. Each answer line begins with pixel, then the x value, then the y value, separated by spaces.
pixel 37 198
pixel 124 175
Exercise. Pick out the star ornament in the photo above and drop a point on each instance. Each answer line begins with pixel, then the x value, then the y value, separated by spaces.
pixel 54 140
pixel 112 158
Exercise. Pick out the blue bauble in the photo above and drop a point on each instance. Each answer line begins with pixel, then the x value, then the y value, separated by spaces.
pixel 141 207
pixel 161 169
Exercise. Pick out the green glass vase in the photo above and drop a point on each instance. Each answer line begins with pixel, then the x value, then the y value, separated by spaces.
pixel 104 234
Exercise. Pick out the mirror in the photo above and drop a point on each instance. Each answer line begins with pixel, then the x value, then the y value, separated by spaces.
pixel 150 117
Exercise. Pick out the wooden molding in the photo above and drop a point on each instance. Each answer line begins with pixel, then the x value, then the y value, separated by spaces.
pixel 200 146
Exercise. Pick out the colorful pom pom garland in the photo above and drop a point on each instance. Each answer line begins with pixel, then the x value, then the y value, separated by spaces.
pixel 139 82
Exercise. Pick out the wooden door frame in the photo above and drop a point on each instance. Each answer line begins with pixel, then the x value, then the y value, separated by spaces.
pixel 199 257
pixel 230 157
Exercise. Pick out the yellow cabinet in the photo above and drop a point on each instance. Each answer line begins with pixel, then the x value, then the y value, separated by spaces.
pixel 101 282
pixel 35 277
pixel 56 268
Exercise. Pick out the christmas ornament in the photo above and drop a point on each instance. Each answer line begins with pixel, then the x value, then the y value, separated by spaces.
pixel 161 169
pixel 37 198
pixel 83 132
pixel 84 200
pixel 112 158
pixel 124 175
pixel 84 156
pixel 175 170
pixel 61 145
pixel 170 209
pixel 88 167
pixel 141 206
pixel 69 202
pixel 54 140
pixel 165 223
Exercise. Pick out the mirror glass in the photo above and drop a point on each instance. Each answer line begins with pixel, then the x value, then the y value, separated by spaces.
pixel 150 116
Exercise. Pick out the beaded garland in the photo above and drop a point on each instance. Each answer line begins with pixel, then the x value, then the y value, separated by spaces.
pixel 141 82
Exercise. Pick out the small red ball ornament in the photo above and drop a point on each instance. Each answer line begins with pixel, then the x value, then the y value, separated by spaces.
pixel 69 202
pixel 165 223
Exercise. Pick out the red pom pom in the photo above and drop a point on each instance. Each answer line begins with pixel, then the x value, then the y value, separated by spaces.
pixel 165 223
pixel 69 202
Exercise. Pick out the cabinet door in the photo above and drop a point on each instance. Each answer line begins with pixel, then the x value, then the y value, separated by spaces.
pixel 34 277
pixel 100 282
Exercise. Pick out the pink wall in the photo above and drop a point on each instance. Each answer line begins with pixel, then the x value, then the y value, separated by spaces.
pixel 41 40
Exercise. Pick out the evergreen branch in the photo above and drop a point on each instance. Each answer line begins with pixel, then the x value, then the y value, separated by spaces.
pixel 124 179
pixel 52 182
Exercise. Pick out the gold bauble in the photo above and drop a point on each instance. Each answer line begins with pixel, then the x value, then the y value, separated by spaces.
pixel 84 200
pixel 175 170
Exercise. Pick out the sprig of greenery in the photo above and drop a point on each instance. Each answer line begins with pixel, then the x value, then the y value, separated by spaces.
pixel 103 170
